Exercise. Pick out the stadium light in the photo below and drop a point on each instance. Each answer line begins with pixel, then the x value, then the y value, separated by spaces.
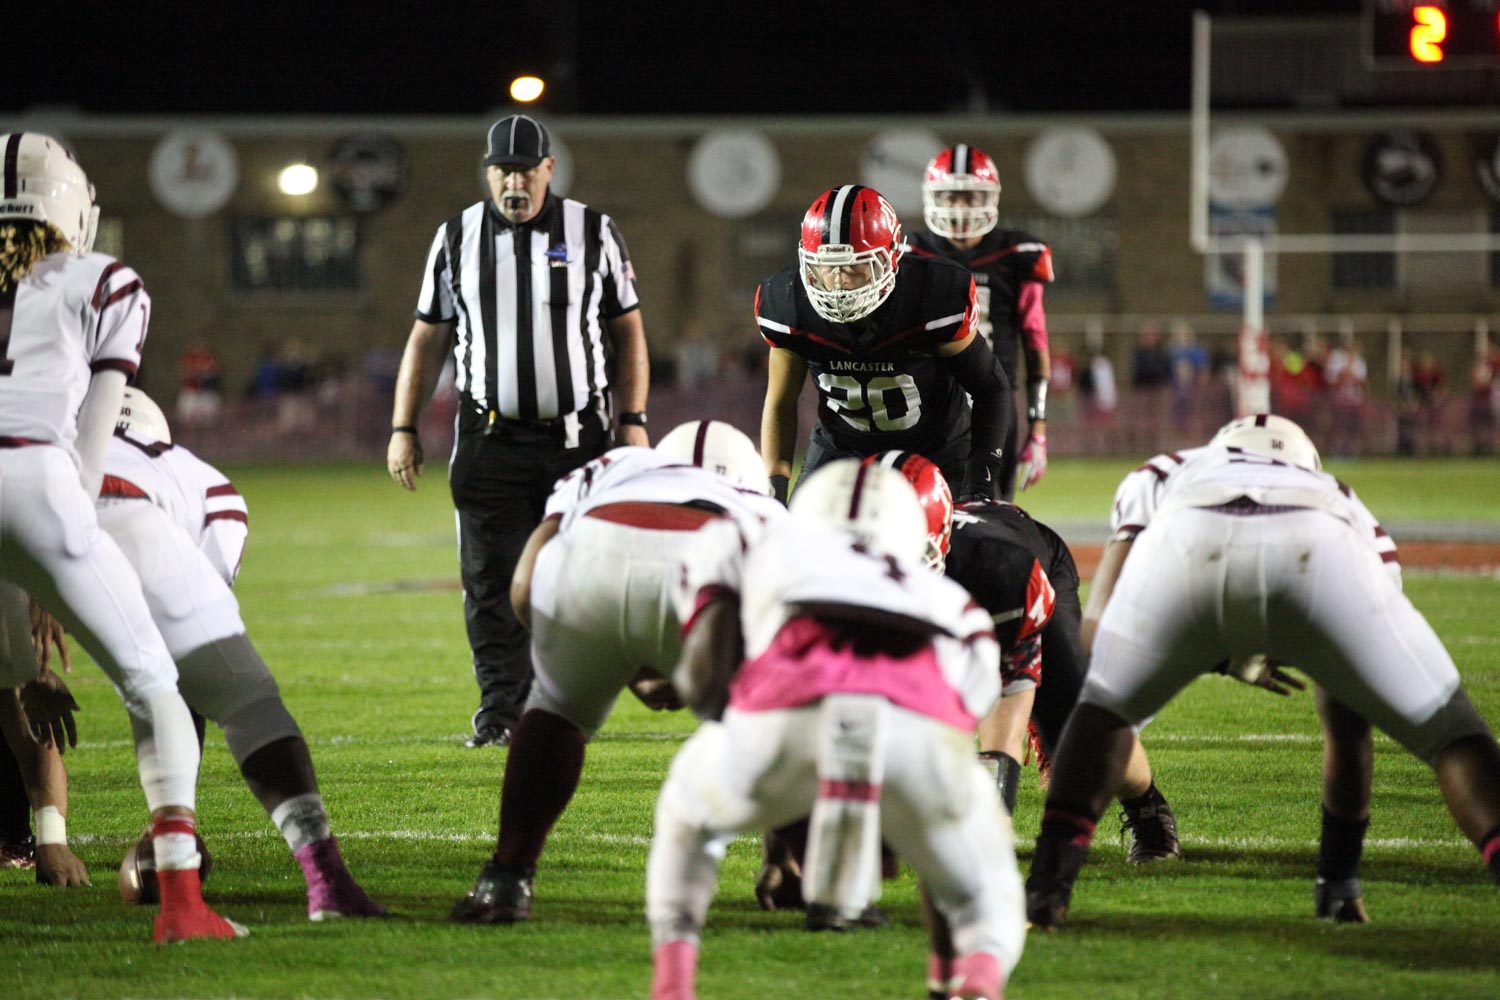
pixel 298 179
pixel 526 89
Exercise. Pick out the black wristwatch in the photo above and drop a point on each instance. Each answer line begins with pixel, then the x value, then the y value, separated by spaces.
pixel 636 418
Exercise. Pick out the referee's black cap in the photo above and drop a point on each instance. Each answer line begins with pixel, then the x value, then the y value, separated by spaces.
pixel 519 141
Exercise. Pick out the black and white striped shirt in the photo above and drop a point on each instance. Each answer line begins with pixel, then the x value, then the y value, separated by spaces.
pixel 529 303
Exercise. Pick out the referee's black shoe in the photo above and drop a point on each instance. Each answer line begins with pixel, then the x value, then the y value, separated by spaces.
pixel 501 896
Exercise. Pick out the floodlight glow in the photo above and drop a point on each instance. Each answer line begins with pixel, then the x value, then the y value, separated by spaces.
pixel 526 88
pixel 298 179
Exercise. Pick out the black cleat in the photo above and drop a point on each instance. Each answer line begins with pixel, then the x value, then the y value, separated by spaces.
pixel 779 887
pixel 1341 901
pixel 822 917
pixel 1049 887
pixel 1153 832
pixel 489 736
pixel 501 896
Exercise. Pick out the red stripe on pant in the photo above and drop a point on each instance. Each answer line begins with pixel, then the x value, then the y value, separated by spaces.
pixel 854 791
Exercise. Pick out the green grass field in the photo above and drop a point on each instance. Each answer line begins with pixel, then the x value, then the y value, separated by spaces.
pixel 349 591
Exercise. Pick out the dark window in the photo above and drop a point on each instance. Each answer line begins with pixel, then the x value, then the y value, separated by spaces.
pixel 1083 250
pixel 1369 271
pixel 302 254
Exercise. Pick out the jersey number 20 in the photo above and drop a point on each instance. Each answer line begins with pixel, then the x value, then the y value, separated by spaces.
pixel 864 405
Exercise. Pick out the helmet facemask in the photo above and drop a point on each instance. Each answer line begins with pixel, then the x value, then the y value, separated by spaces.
pixel 961 206
pixel 845 284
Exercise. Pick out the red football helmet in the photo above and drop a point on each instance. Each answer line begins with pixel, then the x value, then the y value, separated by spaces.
pixel 933 493
pixel 961 193
pixel 851 245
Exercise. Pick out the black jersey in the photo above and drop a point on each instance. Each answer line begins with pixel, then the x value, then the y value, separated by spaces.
pixel 1006 561
pixel 1001 262
pixel 881 383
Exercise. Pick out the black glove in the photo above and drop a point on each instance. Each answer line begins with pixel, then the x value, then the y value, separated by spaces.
pixel 780 487
pixel 981 482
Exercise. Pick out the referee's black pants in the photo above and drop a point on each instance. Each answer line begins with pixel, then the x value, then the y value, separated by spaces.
pixel 500 483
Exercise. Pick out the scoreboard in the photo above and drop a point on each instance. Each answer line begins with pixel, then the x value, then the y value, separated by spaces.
pixel 1432 34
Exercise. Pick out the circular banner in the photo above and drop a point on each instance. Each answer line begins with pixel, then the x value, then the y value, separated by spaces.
pixel 1487 165
pixel 1402 167
pixel 1070 171
pixel 894 164
pixel 368 171
pixel 194 172
pixel 734 173
pixel 1247 168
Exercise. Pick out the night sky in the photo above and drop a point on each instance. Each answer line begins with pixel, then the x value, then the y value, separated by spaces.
pixel 775 56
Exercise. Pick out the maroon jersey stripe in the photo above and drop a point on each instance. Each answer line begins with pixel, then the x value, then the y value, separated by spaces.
pixel 104 277
pixel 226 515
pixel 223 490
pixel 114 365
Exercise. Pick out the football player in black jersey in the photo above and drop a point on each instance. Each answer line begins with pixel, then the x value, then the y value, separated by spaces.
pixel 961 195
pixel 1023 574
pixel 891 343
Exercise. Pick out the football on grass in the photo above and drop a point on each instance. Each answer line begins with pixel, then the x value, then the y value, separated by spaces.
pixel 138 871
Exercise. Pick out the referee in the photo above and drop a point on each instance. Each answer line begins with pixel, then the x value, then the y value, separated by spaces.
pixel 535 296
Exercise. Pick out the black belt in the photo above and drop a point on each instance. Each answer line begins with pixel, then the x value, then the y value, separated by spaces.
pixel 1245 507
pixel 18 442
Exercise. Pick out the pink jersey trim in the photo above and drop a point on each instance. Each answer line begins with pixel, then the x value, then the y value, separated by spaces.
pixel 810 659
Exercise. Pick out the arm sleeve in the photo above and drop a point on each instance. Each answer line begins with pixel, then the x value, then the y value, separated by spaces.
pixel 435 301
pixel 979 372
pixel 1375 536
pixel 226 528
pixel 121 314
pixel 1033 319
pixel 1139 495
pixel 96 425
pixel 971 662
pixel 619 274
pixel 710 568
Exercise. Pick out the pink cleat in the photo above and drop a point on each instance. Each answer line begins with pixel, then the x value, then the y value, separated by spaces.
pixel 980 978
pixel 184 915
pixel 676 970
pixel 331 890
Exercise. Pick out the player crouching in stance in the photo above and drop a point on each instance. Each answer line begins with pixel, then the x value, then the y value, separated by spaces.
pixel 73 326
pixel 835 673
pixel 183 526
pixel 1241 548
pixel 594 585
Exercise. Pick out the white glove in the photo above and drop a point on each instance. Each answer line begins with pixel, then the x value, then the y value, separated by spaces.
pixel 1033 461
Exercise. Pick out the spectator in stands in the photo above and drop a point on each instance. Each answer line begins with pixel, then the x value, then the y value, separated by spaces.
pixel 199 381
pixel 1104 395
pixel 1150 365
pixel 1427 377
pixel 1191 371
pixel 1064 372
pixel 1482 401
pixel 1347 378
pixel 1408 406
pixel 696 354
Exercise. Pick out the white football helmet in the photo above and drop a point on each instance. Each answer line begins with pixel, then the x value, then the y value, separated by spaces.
pixel 961 193
pixel 720 448
pixel 875 504
pixel 142 417
pixel 1268 434
pixel 44 183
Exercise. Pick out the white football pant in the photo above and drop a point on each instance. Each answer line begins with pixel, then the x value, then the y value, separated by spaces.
pixel 757 770
pixel 54 550
pixel 221 674
pixel 1300 587
pixel 601 609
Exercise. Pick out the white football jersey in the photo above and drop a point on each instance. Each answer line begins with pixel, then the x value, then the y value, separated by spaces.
pixel 1213 475
pixel 193 494
pixel 779 569
pixel 644 475
pixel 72 316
